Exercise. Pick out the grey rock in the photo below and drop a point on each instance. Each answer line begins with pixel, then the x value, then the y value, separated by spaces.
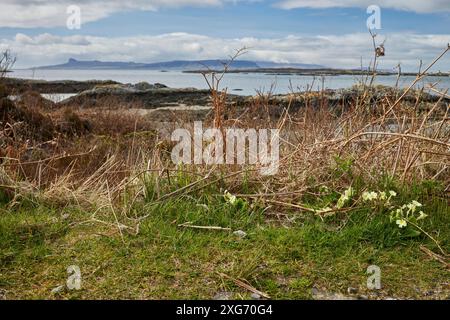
pixel 255 296
pixel 241 234
pixel 142 86
pixel 2 294
pixel 223 295
pixel 324 295
pixel 58 289
pixel 145 86
pixel 160 86
pixel 315 291
pixel 352 290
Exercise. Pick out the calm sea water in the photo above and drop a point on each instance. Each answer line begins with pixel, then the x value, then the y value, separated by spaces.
pixel 237 83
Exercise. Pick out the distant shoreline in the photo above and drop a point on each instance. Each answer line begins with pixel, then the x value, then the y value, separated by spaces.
pixel 318 72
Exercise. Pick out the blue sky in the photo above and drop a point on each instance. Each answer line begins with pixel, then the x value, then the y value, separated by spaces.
pixel 303 31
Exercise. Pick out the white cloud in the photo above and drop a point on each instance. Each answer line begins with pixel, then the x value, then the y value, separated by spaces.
pixel 420 6
pixel 53 13
pixel 331 50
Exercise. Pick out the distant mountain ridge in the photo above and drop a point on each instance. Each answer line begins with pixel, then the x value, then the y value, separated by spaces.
pixel 183 65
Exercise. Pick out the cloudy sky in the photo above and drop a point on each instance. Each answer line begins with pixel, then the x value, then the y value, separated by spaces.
pixel 329 32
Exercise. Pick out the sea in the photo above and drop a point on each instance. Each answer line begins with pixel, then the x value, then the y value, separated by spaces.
pixel 236 83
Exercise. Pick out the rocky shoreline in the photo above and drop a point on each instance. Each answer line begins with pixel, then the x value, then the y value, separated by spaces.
pixel 93 94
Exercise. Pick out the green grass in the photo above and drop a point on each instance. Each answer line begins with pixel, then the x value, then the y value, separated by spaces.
pixel 284 259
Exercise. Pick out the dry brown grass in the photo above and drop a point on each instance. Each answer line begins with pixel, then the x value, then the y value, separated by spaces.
pixel 82 156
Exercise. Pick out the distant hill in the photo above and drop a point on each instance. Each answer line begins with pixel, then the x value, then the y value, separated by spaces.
pixel 182 65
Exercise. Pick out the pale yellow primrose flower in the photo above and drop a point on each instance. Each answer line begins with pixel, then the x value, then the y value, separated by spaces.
pixel 369 196
pixel 401 223
pixel 230 198
pixel 422 215
pixel 349 192
pixel 414 205
pixel 345 197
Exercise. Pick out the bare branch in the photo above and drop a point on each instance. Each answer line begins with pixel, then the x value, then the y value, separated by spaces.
pixel 7 61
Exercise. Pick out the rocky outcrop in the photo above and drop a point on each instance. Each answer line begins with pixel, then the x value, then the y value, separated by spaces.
pixel 18 86
pixel 142 86
pixel 144 96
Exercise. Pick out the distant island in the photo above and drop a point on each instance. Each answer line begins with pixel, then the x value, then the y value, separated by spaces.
pixel 217 65
pixel 175 65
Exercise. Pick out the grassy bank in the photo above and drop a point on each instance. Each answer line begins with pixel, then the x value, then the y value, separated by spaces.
pixel 285 255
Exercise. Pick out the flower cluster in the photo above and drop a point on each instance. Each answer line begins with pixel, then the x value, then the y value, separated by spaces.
pixel 371 196
pixel 343 200
pixel 408 213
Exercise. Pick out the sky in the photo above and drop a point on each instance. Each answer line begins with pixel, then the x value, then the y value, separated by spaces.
pixel 332 33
